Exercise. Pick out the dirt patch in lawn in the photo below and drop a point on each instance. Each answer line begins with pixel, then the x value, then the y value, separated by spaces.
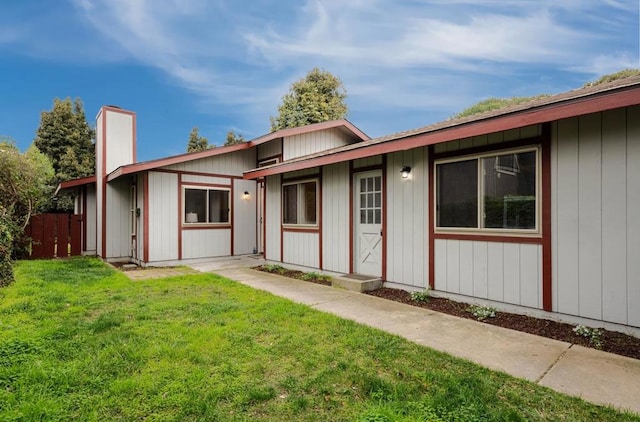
pixel 611 341
pixel 608 341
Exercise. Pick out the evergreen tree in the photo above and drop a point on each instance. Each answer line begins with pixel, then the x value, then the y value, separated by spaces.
pixel 67 139
pixel 65 136
pixel 197 142
pixel 233 139
pixel 318 97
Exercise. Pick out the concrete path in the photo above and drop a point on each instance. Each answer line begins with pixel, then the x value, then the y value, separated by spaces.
pixel 596 376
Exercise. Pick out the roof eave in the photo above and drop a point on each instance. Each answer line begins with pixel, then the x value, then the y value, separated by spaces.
pixel 597 102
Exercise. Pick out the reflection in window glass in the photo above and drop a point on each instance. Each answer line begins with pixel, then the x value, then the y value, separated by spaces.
pixel 300 203
pixel 457 194
pixel 510 191
pixel 206 206
pixel 501 189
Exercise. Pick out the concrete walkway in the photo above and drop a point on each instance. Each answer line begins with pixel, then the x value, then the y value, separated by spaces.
pixel 596 376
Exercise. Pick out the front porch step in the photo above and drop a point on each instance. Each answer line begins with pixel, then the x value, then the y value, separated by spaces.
pixel 357 282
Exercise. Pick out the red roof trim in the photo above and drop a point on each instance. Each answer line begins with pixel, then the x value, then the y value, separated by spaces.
pixel 68 184
pixel 550 112
pixel 176 159
pixel 311 128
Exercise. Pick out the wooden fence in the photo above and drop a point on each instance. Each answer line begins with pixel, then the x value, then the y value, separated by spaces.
pixel 55 235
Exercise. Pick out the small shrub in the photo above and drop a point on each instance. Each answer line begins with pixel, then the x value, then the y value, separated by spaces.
pixel 482 312
pixel 314 276
pixel 593 334
pixel 422 296
pixel 274 268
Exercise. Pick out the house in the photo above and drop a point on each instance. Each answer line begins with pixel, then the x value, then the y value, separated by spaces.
pixel 530 208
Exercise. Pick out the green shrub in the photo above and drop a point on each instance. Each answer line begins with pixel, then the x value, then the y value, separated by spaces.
pixel 482 312
pixel 593 334
pixel 274 268
pixel 314 276
pixel 7 232
pixel 422 296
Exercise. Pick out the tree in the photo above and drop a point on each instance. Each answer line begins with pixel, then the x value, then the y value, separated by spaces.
pixel 233 138
pixel 197 142
pixel 25 186
pixel 65 136
pixel 62 128
pixel 318 97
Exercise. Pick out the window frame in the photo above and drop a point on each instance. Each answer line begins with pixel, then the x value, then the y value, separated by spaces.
pixel 206 189
pixel 479 229
pixel 300 210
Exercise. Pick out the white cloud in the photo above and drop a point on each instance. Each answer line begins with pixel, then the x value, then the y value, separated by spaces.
pixel 407 55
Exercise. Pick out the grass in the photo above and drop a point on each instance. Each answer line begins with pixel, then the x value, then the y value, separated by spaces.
pixel 79 340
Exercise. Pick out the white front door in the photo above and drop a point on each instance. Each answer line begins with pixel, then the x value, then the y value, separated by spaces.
pixel 368 223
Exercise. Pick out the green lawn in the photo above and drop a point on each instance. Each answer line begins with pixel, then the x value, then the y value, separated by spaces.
pixel 81 341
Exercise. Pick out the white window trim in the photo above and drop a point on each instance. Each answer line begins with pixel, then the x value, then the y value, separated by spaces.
pixel 536 232
pixel 207 189
pixel 300 182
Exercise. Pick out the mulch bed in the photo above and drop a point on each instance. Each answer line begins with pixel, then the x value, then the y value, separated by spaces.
pixel 612 341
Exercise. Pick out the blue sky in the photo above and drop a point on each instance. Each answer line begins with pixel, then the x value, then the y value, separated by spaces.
pixel 223 65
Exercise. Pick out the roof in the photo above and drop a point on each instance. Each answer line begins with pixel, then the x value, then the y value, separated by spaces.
pixel 341 124
pixel 591 99
pixel 68 184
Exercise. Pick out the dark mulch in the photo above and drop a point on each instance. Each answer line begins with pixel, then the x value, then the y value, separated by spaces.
pixel 612 341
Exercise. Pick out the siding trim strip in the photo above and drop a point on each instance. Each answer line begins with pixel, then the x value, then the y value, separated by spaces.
pixel 145 220
pixel 547 257
pixel 179 216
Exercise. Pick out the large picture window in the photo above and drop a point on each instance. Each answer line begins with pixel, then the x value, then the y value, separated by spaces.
pixel 206 206
pixel 299 203
pixel 497 191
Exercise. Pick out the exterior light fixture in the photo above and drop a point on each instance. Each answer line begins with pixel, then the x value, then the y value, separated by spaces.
pixel 246 195
pixel 405 172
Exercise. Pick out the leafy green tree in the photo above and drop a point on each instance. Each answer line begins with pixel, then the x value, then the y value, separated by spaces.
pixel 318 97
pixel 25 187
pixel 233 139
pixel 197 142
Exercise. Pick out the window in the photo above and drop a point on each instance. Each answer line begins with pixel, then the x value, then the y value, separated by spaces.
pixel 299 203
pixel 497 191
pixel 206 206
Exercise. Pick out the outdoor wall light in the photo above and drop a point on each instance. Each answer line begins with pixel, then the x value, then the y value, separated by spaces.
pixel 405 172
pixel 246 195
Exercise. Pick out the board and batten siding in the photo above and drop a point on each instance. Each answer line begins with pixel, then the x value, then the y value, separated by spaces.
pixel 272 218
pixel 244 217
pixel 335 218
pixel 595 173
pixel 233 163
pixel 119 138
pixel 502 272
pixel 407 219
pixel 301 248
pixel 89 214
pixel 206 243
pixel 312 142
pixel 118 241
pixel 163 216
pixel 270 149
